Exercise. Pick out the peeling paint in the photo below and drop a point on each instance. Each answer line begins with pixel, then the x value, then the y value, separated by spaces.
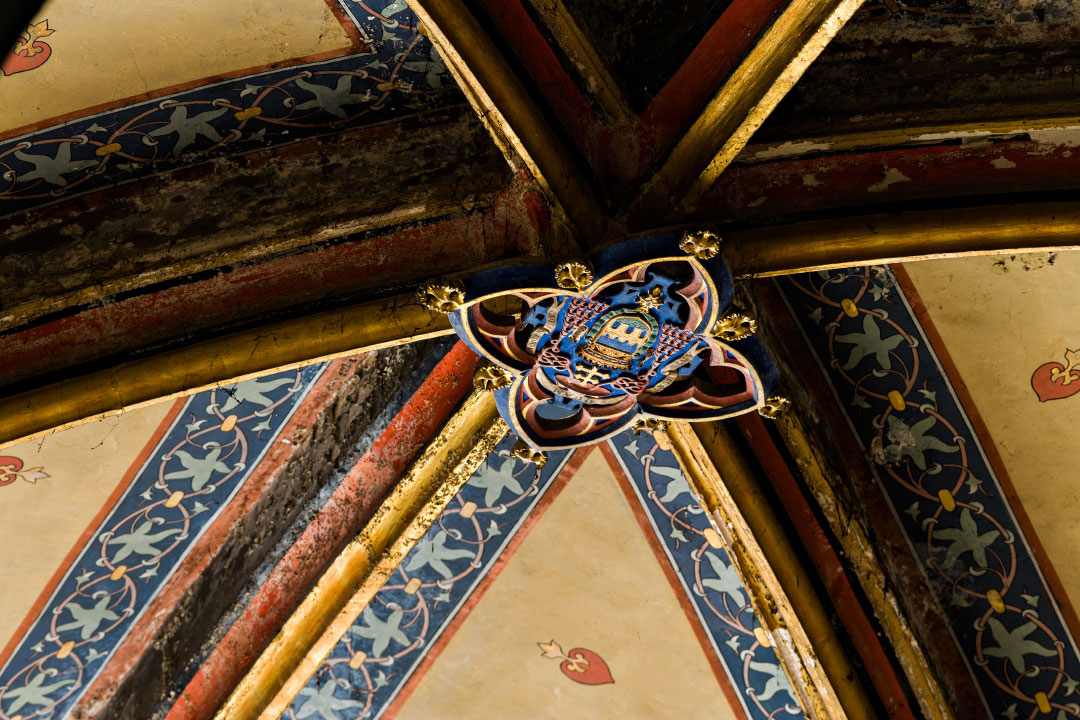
pixel 892 176
pixel 1068 136
pixel 790 149
pixel 1002 163
pixel 810 181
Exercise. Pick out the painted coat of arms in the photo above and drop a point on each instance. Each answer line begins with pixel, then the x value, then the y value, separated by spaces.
pixel 580 352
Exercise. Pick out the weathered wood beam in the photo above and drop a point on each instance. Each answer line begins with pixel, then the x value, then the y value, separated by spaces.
pixel 753 91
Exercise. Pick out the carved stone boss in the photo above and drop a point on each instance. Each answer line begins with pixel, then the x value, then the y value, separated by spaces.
pixel 580 351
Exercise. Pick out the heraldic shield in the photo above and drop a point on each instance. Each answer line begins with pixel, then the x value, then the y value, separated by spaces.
pixel 589 351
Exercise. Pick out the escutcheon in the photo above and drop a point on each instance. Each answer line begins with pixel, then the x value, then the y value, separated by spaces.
pixel 634 343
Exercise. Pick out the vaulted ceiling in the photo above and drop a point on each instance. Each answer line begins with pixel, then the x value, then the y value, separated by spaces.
pixel 241 468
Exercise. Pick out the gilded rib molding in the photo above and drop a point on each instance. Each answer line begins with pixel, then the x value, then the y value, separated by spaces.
pixel 799 626
pixel 752 92
pixel 362 568
pixel 220 361
pixel 902 237
pixel 512 117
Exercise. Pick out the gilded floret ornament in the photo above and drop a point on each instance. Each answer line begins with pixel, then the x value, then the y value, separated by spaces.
pixel 704 245
pixel 443 296
pixel 735 326
pixel 521 451
pixel 574 276
pixel 774 406
pixel 490 377
pixel 648 424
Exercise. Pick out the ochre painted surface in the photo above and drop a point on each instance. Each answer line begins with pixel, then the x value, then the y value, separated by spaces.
pixel 586 578
pixel 102 51
pixel 43 520
pixel 1000 318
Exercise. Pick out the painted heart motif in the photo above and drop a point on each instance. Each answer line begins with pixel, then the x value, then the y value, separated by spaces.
pixel 586 667
pixel 1048 389
pixel 16 63
pixel 9 466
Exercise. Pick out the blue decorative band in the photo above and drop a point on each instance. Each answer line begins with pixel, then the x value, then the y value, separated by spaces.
pixel 945 495
pixel 402 76
pixel 197 467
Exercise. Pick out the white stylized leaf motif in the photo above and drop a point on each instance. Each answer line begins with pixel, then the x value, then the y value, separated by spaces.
pixel 36 692
pixel 381 632
pixel 495 482
pixel 322 700
pixel 727 582
pixel 199 470
pixel 677 485
pixel 776 683
pixel 870 342
pixel 252 391
pixel 966 538
pixel 432 552
pixel 53 169
pixel 1014 645
pixel 913 441
pixel 88 619
pixel 187 129
pixel 140 541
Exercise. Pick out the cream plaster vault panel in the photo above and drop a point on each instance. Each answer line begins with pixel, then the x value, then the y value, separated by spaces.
pixel 101 51
pixel 41 521
pixel 584 577
pixel 1000 319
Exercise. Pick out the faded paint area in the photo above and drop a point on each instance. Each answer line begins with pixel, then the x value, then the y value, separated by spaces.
pixel 958 21
pixel 45 520
pixel 964 66
pixel 320 538
pixel 237 209
pixel 322 274
pixel 254 247
pixel 332 418
pixel 892 176
pixel 584 576
pixel 846 180
pixel 103 51
pixel 1029 304
pixel 787 149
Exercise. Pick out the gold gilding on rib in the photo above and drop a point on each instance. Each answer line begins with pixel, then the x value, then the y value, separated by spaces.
pixel 221 361
pixel 902 237
pixel 365 564
pixel 806 643
pixel 770 69
pixel 852 535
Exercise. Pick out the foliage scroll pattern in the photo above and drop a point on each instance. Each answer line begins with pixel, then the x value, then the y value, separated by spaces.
pixel 402 74
pixel 372 662
pixel 946 497
pixel 197 467
pixel 707 576
pixel 386 645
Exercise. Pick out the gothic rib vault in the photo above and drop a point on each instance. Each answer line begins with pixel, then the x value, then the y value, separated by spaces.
pixel 248 473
